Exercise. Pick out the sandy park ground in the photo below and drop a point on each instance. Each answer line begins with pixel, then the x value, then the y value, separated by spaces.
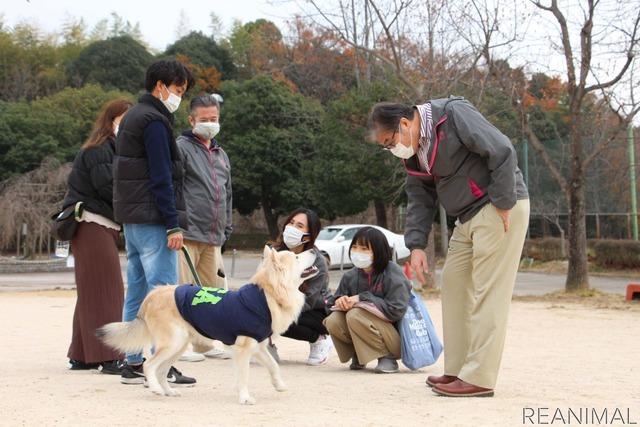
pixel 558 355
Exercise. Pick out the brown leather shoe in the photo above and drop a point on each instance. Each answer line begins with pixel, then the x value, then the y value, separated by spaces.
pixel 459 388
pixel 434 380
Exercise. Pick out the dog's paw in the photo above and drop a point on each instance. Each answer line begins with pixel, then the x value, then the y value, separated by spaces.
pixel 247 400
pixel 279 385
pixel 157 390
pixel 172 392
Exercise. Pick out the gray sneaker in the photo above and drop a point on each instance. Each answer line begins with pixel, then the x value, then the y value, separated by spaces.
pixel 386 365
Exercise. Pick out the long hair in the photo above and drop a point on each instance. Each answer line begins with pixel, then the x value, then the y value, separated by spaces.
pixel 103 126
pixel 313 222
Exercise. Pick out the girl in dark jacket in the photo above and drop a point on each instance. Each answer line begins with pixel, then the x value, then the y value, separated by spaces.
pixel 371 298
pixel 299 234
pixel 94 245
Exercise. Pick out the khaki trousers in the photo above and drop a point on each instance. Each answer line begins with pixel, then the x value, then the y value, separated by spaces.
pixel 359 332
pixel 207 259
pixel 478 279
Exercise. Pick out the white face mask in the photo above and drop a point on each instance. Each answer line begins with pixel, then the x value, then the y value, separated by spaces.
pixel 115 129
pixel 206 130
pixel 401 150
pixel 292 237
pixel 361 259
pixel 172 102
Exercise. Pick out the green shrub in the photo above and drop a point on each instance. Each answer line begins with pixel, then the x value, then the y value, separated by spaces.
pixel 546 249
pixel 616 253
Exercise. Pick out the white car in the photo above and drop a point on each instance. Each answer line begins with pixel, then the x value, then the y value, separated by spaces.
pixel 334 241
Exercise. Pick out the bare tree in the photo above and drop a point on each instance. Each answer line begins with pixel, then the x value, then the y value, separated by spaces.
pixel 584 82
pixel 372 28
pixel 31 199
pixel 183 27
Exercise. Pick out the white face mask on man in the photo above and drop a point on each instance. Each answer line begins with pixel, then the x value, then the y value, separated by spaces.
pixel 292 237
pixel 172 102
pixel 400 150
pixel 206 130
pixel 361 259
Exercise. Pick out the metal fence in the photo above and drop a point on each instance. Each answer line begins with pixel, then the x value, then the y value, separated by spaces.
pixel 610 225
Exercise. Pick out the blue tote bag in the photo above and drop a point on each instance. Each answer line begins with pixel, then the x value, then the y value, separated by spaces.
pixel 420 344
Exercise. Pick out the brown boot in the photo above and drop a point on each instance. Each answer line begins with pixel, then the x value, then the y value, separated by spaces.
pixel 434 380
pixel 459 388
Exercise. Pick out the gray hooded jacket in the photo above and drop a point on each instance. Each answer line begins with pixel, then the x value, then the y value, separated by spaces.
pixel 389 291
pixel 472 163
pixel 316 289
pixel 207 190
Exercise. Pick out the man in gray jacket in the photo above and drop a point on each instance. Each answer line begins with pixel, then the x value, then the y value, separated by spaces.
pixel 455 157
pixel 207 193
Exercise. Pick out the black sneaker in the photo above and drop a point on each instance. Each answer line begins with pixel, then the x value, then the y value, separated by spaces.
pixel 76 365
pixel 355 364
pixel 132 374
pixel 175 377
pixel 112 367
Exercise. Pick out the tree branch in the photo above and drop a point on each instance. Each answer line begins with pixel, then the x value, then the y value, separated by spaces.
pixel 630 55
pixel 392 63
pixel 566 41
pixel 600 147
pixel 586 48
pixel 387 31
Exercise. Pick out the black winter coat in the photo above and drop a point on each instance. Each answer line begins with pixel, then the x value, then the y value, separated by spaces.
pixel 91 180
pixel 134 201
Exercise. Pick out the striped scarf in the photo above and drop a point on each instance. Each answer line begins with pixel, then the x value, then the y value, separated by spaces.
pixel 426 126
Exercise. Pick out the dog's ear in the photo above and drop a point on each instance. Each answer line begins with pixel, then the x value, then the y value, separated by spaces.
pixel 266 253
pixel 269 254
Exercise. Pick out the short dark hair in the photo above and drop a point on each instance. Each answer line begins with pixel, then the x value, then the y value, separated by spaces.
pixel 313 221
pixel 373 238
pixel 168 71
pixel 386 116
pixel 203 101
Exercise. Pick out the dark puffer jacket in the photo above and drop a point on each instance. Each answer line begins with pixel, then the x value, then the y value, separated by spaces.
pixel 134 201
pixel 91 180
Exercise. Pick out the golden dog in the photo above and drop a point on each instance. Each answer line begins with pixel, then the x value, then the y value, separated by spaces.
pixel 159 322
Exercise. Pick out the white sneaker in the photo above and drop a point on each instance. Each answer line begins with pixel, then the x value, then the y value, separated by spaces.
pixel 319 351
pixel 216 353
pixel 191 356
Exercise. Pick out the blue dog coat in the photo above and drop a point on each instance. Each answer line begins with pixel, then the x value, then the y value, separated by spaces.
pixel 224 315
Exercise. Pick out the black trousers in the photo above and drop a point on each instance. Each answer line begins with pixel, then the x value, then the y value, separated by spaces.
pixel 309 326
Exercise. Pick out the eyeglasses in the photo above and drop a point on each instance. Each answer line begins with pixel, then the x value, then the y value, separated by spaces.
pixel 389 144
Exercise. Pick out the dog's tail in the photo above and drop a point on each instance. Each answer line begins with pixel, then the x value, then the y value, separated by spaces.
pixel 128 337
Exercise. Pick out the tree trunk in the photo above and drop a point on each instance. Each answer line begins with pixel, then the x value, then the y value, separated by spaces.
pixel 18 242
pixel 381 213
pixel 271 219
pixel 577 274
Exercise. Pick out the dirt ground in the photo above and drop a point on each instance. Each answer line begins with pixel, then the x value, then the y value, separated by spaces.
pixel 558 355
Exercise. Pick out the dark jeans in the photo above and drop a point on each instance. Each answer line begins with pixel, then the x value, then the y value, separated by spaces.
pixel 309 326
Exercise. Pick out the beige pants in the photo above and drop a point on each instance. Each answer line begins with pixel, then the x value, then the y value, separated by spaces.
pixel 207 259
pixel 359 332
pixel 478 279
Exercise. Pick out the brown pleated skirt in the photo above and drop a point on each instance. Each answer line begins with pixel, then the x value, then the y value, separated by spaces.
pixel 100 291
